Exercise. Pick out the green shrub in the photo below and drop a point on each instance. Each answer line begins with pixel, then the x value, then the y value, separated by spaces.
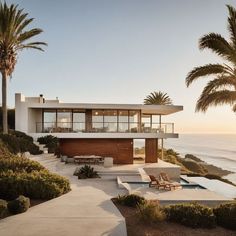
pixel 191 214
pixel 3 208
pixel 151 212
pixel 131 200
pixel 226 215
pixel 51 142
pixel 86 172
pixel 36 185
pixel 19 164
pixel 19 205
pixel 20 134
pixel 17 144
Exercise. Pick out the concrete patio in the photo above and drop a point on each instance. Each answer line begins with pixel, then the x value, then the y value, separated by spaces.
pixel 86 210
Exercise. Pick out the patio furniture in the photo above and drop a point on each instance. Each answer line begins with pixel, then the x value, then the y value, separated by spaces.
pixel 166 179
pixel 88 159
pixel 155 182
pixel 108 161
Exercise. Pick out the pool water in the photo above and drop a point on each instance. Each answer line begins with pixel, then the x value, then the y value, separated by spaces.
pixel 184 183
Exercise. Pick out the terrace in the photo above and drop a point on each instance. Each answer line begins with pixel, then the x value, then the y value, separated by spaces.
pixel 101 121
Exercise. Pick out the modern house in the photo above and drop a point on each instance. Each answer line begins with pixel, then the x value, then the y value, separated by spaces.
pixel 96 129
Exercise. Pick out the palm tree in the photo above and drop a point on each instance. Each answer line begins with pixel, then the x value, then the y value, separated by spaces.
pixel 157 98
pixel 222 88
pixel 13 38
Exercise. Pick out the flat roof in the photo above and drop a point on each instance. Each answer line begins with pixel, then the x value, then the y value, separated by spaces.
pixel 146 109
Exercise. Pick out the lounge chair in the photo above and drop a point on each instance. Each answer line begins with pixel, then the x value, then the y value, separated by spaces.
pixel 158 184
pixel 166 179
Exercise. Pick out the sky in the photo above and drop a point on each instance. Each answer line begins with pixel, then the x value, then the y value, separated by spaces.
pixel 119 51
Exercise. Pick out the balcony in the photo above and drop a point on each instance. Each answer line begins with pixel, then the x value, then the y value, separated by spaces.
pixel 104 127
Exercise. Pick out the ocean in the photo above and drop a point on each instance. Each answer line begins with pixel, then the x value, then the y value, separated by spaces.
pixel 215 149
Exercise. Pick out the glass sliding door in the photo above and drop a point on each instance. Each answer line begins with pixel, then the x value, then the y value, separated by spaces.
pixel 97 121
pixel 64 120
pixel 123 121
pixel 146 123
pixel 49 120
pixel 156 127
pixel 78 121
pixel 110 120
pixel 134 121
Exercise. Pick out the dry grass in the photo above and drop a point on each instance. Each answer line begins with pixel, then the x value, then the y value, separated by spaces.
pixel 137 228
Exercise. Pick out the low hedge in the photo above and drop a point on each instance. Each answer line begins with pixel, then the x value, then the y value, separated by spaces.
pixel 3 208
pixel 130 200
pixel 51 142
pixel 19 164
pixel 150 212
pixel 17 144
pixel 20 134
pixel 226 215
pixel 19 205
pixel 191 214
pixel 36 185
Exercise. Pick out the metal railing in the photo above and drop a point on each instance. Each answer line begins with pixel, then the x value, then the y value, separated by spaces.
pixel 103 127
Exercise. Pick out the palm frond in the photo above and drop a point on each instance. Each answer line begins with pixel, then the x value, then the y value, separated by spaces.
pixel 232 24
pixel 28 34
pixel 234 108
pixel 14 36
pixel 218 45
pixel 157 98
pixel 215 98
pixel 209 69
pixel 222 82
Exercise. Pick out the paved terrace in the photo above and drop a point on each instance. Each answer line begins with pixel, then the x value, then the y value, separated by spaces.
pixel 87 210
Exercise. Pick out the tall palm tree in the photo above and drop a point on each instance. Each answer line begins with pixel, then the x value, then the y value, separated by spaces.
pixel 13 38
pixel 157 98
pixel 222 88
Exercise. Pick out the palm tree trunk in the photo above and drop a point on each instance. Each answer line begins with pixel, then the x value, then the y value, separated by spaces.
pixel 4 102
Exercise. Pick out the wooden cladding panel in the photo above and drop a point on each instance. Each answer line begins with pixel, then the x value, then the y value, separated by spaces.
pixel 120 149
pixel 151 150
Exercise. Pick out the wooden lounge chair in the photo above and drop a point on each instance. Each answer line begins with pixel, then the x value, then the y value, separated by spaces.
pixel 166 179
pixel 158 184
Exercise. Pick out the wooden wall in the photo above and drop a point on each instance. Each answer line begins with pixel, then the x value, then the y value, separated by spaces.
pixel 151 150
pixel 120 149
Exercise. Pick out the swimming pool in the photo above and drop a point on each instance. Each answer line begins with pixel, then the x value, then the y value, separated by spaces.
pixel 187 185
pixel 184 183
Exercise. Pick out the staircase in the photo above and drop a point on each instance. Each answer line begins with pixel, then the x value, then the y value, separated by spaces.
pixel 113 174
pixel 41 147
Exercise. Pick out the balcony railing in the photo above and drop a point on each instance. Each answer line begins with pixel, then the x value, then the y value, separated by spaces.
pixel 103 127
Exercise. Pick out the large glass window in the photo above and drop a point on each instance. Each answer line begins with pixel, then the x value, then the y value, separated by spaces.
pixel 155 123
pixel 133 121
pixel 110 120
pixel 64 120
pixel 78 121
pixel 146 123
pixel 123 121
pixel 49 118
pixel 97 120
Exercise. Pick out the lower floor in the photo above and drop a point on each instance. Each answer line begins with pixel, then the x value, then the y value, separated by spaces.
pixel 121 150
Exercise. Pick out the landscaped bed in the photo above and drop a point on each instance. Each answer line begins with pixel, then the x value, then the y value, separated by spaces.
pixel 138 225
pixel 25 183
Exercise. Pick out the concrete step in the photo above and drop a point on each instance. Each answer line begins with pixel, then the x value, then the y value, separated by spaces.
pixel 41 147
pixel 119 173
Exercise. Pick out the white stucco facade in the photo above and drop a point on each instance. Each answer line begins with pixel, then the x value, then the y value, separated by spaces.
pixel 29 112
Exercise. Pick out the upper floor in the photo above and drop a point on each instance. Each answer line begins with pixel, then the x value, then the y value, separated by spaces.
pixel 36 115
